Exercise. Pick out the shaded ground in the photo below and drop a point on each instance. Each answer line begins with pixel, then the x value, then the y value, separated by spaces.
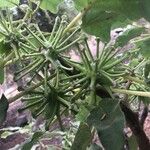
pixel 11 141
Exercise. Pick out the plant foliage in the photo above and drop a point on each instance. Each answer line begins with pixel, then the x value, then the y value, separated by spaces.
pixel 87 88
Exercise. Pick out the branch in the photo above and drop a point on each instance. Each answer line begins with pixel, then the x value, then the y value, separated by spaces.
pixel 143 116
pixel 130 92
pixel 135 126
pixel 135 79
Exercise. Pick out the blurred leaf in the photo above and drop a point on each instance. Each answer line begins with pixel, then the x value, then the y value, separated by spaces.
pixel 4 48
pixel 1 74
pixel 144 48
pixel 82 138
pixel 108 119
pixel 95 147
pixel 98 23
pixel 51 5
pixel 52 107
pixel 33 141
pixel 104 14
pixel 145 100
pixel 128 35
pixel 8 3
pixel 132 143
pixel 134 62
pixel 80 4
pixel 144 5
pixel 147 76
pixel 50 112
pixel 147 70
pixel 83 113
pixel 34 42
pixel 3 108
pixel 128 8
pixel 103 79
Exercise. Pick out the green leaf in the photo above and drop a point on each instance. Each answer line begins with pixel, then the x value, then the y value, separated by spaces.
pixel 1 75
pixel 132 143
pixel 82 138
pixel 147 70
pixel 3 108
pixel 145 4
pixel 34 42
pixel 103 79
pixel 144 48
pixel 9 3
pixel 105 13
pixel 132 9
pixel 128 35
pixel 52 106
pixel 83 113
pixel 95 147
pixel 145 100
pixel 33 141
pixel 80 4
pixel 134 62
pixel 146 73
pixel 1 71
pixel 98 23
pixel 4 48
pixel 108 119
pixel 51 5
